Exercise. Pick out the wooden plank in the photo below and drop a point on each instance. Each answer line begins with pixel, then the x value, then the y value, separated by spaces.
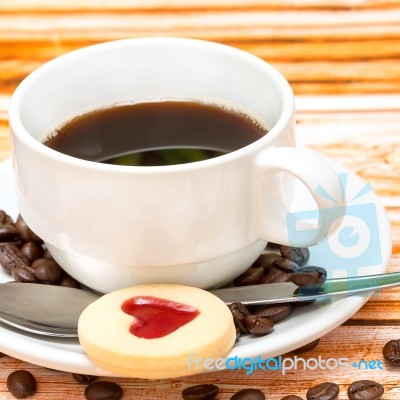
pixel 272 50
pixel 5 141
pixel 176 5
pixel 357 343
pixel 306 77
pixel 218 25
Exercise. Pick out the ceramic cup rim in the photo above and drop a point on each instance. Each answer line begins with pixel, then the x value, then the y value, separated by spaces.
pixel 278 128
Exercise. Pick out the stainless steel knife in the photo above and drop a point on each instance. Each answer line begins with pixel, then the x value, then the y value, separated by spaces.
pixel 54 310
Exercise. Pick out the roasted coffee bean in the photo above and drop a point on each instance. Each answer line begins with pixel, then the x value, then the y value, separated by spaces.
pixel 265 261
pixel 309 277
pixel 275 276
pixel 5 219
pixel 300 255
pixel 11 257
pixel 291 397
pixel 27 235
pixel 238 332
pixel 239 312
pixel 84 379
pixel 259 325
pixel 32 251
pixel 103 390
pixel 252 276
pixel 249 394
pixel 323 391
pixel 302 303
pixel 285 265
pixel 307 347
pixel 276 312
pixel 365 390
pixel 69 281
pixel 47 271
pixel 391 351
pixel 8 233
pixel 21 384
pixel 200 392
pixel 47 254
pixel 24 274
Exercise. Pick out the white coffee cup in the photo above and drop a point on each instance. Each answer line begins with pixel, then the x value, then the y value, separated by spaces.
pixel 198 224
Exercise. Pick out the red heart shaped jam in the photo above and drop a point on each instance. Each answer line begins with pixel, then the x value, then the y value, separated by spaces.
pixel 155 317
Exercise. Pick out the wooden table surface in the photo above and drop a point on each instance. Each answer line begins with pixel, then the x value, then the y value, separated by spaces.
pixel 342 58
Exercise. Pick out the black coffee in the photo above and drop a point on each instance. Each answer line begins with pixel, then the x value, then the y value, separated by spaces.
pixel 155 133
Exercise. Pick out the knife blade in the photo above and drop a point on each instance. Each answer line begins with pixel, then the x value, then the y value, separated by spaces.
pixel 54 310
pixel 272 293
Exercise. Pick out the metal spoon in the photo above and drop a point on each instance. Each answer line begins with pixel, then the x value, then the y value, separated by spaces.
pixel 54 310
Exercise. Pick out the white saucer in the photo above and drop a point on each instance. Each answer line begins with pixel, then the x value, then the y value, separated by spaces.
pixel 304 325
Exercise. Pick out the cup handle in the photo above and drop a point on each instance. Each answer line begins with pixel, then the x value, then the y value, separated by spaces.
pixel 271 212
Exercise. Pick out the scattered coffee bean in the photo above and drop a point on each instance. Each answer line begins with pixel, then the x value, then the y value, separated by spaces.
pixel 11 257
pixel 291 397
pixel 275 276
pixel 276 312
pixel 391 351
pixel 32 251
pixel 8 233
pixel 300 255
pixel 24 255
pixel 265 261
pixel 285 265
pixel 259 325
pixel 47 271
pixel 249 394
pixel 84 379
pixel 239 312
pixel 69 281
pixel 307 347
pixel 309 277
pixel 24 274
pixel 27 235
pixel 238 332
pixel 5 219
pixel 47 254
pixel 365 390
pixel 21 384
pixel 103 390
pixel 200 392
pixel 323 391
pixel 252 276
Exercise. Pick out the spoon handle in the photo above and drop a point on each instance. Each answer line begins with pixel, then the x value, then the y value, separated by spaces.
pixel 273 293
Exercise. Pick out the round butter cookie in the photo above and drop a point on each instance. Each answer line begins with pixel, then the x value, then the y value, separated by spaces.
pixel 156 331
